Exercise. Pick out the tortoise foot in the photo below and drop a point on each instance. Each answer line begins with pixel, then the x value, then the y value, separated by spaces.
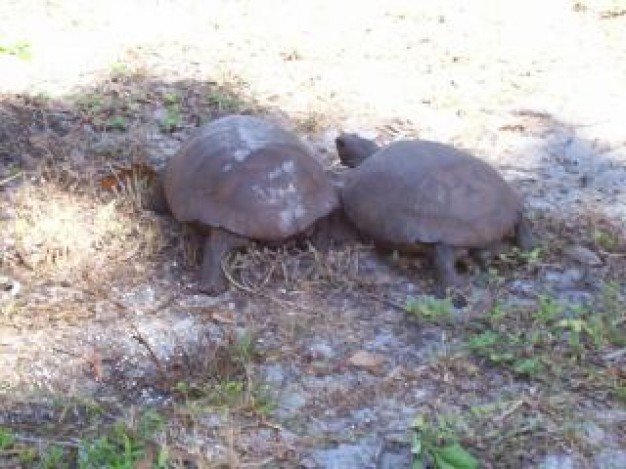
pixel 213 288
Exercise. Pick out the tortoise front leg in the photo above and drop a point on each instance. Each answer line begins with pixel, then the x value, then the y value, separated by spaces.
pixel 445 263
pixel 523 235
pixel 216 247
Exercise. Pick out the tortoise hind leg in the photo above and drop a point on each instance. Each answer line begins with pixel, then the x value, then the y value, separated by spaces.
pixel 216 247
pixel 523 235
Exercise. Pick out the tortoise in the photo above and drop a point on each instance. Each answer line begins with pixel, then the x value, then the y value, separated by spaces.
pixel 412 193
pixel 242 178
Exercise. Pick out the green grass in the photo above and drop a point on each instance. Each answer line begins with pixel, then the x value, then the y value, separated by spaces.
pixel 431 310
pixel 110 110
pixel 605 239
pixel 117 122
pixel 554 357
pixel 553 342
pixel 120 446
pixel 6 439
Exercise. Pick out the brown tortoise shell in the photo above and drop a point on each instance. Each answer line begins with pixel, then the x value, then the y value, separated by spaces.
pixel 250 177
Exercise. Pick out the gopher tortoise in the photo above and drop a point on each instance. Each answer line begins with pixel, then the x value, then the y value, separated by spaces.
pixel 242 178
pixel 413 193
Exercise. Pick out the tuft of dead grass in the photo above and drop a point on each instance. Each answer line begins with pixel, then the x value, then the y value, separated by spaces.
pixel 292 265
pixel 67 236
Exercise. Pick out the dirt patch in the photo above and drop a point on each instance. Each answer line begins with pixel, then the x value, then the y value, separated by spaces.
pixel 338 359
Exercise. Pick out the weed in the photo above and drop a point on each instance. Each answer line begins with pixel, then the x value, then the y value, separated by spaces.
pixel 431 310
pixel 243 349
pixel 553 342
pixel 19 49
pixel 120 70
pixel 6 439
pixel 232 395
pixel 605 239
pixel 222 101
pixel 311 123
pixel 225 381
pixel 54 458
pixel 117 122
pixel 120 450
pixel 549 309
pixel 108 110
pixel 516 257
pixel 173 113
pixel 92 104
pixel 437 445
pixel 118 447
pixel 150 423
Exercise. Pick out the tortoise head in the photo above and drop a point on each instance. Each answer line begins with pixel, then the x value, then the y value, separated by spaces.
pixel 353 150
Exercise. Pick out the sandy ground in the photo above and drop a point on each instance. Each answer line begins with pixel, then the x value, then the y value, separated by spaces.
pixel 536 88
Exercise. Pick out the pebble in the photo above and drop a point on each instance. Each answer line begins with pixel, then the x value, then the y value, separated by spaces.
pixel 9 287
pixel 566 280
pixel 614 458
pixel 557 461
pixel 367 360
pixel 321 351
pixel 344 456
pixel 394 456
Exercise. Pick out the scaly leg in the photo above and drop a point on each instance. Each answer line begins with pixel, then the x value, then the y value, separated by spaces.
pixel 445 259
pixel 523 235
pixel 216 247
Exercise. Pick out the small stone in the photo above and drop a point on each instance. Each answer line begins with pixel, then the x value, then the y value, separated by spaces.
pixel 9 287
pixel 592 433
pixel 77 156
pixel 557 461
pixel 562 281
pixel 367 360
pixel 394 455
pixel 523 287
pixel 159 114
pixel 345 456
pixel 320 351
pixel 291 401
pixel 611 458
pixel 583 255
pixel 274 374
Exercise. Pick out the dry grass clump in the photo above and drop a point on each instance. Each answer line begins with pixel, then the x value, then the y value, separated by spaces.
pixel 293 267
pixel 60 235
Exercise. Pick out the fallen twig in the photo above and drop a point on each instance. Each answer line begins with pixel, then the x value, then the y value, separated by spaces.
pixel 41 441
pixel 144 342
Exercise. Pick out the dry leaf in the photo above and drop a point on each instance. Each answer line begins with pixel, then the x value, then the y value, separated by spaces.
pixel 127 176
pixel 363 359
pixel 224 317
